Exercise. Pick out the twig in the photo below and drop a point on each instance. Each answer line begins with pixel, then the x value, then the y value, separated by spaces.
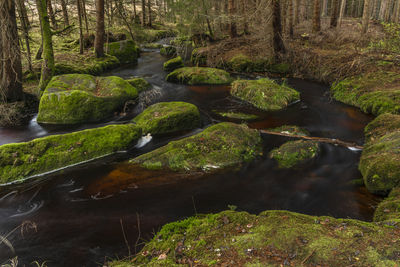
pixel 194 206
pixel 126 241
pixel 308 257
pixel 138 224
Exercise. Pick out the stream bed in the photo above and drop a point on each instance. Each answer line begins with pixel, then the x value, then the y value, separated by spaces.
pixel 81 216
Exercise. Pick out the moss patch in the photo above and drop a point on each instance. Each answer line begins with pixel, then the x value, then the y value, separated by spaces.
pixel 79 98
pixel 236 115
pixel 264 93
pixel 173 64
pixel 221 145
pixel 290 129
pixel 376 93
pixel 293 153
pixel 382 125
pixel 199 57
pixel 389 208
pixel 199 75
pixel 168 117
pixel 168 51
pixel 21 160
pixel 273 238
pixel 140 84
pixel 125 51
pixel 85 64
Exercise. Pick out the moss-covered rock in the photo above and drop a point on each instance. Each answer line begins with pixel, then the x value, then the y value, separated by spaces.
pixel 199 75
pixel 380 126
pixel 86 65
pixel 241 63
pixel 389 208
pixel 290 129
pixel 376 93
pixel 139 83
pixel 80 98
pixel 18 161
pixel 152 46
pixel 125 51
pixel 273 238
pixel 168 117
pixel 219 146
pixel 168 51
pixel 199 57
pixel 264 93
pixel 293 153
pixel 236 115
pixel 173 64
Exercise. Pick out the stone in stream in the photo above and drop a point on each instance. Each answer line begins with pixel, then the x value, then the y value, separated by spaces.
pixel 293 153
pixel 81 98
pixel 168 117
pixel 291 130
pixel 125 51
pixel 139 83
pixel 173 64
pixel 219 146
pixel 199 75
pixel 236 115
pixel 380 159
pixel 20 160
pixel 264 93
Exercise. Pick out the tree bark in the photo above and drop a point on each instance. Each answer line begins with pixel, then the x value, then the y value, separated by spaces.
pixel 334 13
pixel 290 6
pixel 365 18
pixel 149 15
pixel 79 6
pixel 143 13
pixel 83 11
pixel 296 12
pixel 51 14
pixel 48 53
pixel 65 13
pixel 317 16
pixel 25 32
pixel 397 14
pixel 341 13
pixel 99 40
pixel 232 22
pixel 325 8
pixel 23 12
pixel 277 28
pixel 10 54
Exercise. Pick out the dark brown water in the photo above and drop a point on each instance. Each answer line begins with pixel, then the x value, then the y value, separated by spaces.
pixel 78 212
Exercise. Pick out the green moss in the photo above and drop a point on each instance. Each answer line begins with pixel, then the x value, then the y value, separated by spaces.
pixel 221 145
pixel 140 84
pixel 79 98
pixel 264 93
pixel 380 126
pixel 168 117
pixel 293 153
pixel 125 51
pixel 89 65
pixel 152 46
pixel 199 75
pixel 241 63
pixel 375 93
pixel 290 129
pixel 198 57
pixel 21 160
pixel 270 239
pixel 173 64
pixel 389 208
pixel 168 51
pixel 236 115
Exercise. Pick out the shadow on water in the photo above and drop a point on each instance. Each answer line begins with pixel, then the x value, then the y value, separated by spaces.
pixel 78 211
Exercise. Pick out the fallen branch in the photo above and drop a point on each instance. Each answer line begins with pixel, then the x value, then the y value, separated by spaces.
pixel 318 139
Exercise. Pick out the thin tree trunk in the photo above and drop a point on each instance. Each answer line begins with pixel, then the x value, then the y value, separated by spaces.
pixel 83 11
pixel 143 13
pixel 99 40
pixel 341 13
pixel 25 31
pixel 325 8
pixel 10 54
pixel 23 12
pixel 397 14
pixel 365 18
pixel 79 6
pixel 277 28
pixel 65 13
pixel 317 16
pixel 134 9
pixel 149 15
pixel 296 12
pixel 51 14
pixel 232 22
pixel 290 18
pixel 48 53
pixel 245 18
pixel 283 16
pixel 334 13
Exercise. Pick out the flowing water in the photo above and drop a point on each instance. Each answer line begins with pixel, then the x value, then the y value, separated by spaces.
pixel 86 215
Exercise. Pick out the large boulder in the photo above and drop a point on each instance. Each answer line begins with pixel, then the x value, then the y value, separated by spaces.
pixel 199 75
pixel 293 153
pixel 173 64
pixel 80 98
pixel 389 208
pixel 264 93
pixel 139 83
pixel 168 117
pixel 219 146
pixel 125 51
pixel 18 161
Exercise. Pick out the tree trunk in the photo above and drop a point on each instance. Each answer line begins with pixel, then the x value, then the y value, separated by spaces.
pixel 341 13
pixel 317 16
pixel 25 31
pixel 296 12
pixel 325 8
pixel 397 14
pixel 79 6
pixel 244 4
pixel 290 6
pixel 149 15
pixel 232 22
pixel 334 13
pixel 134 9
pixel 10 54
pixel 65 13
pixel 51 14
pixel 277 28
pixel 83 11
pixel 283 16
pixel 48 54
pixel 99 40
pixel 23 12
pixel 365 18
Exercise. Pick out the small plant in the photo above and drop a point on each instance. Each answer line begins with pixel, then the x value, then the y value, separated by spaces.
pixel 232 207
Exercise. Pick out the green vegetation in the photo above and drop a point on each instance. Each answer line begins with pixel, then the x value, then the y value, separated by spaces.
pixel 389 208
pixel 234 238
pixel 382 125
pixel 293 153
pixel 168 117
pixel 199 75
pixel 264 93
pixel 86 64
pixel 168 51
pixel 18 161
pixel 125 51
pixel 236 115
pixel 198 57
pixel 290 129
pixel 173 64
pixel 79 98
pixel 219 146
pixel 140 84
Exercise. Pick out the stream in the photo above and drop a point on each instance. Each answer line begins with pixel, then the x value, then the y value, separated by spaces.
pixel 79 216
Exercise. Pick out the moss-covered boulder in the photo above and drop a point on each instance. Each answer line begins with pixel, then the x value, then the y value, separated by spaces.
pixel 139 83
pixel 168 117
pixel 273 238
pixel 80 98
pixel 264 93
pixel 168 51
pixel 199 57
pixel 18 161
pixel 219 146
pixel 291 130
pixel 199 75
pixel 236 115
pixel 380 159
pixel 85 64
pixel 241 63
pixel 293 153
pixel 376 93
pixel 389 208
pixel 126 51
pixel 173 64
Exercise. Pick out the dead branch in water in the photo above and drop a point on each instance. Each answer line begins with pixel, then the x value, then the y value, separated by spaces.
pixel 318 139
